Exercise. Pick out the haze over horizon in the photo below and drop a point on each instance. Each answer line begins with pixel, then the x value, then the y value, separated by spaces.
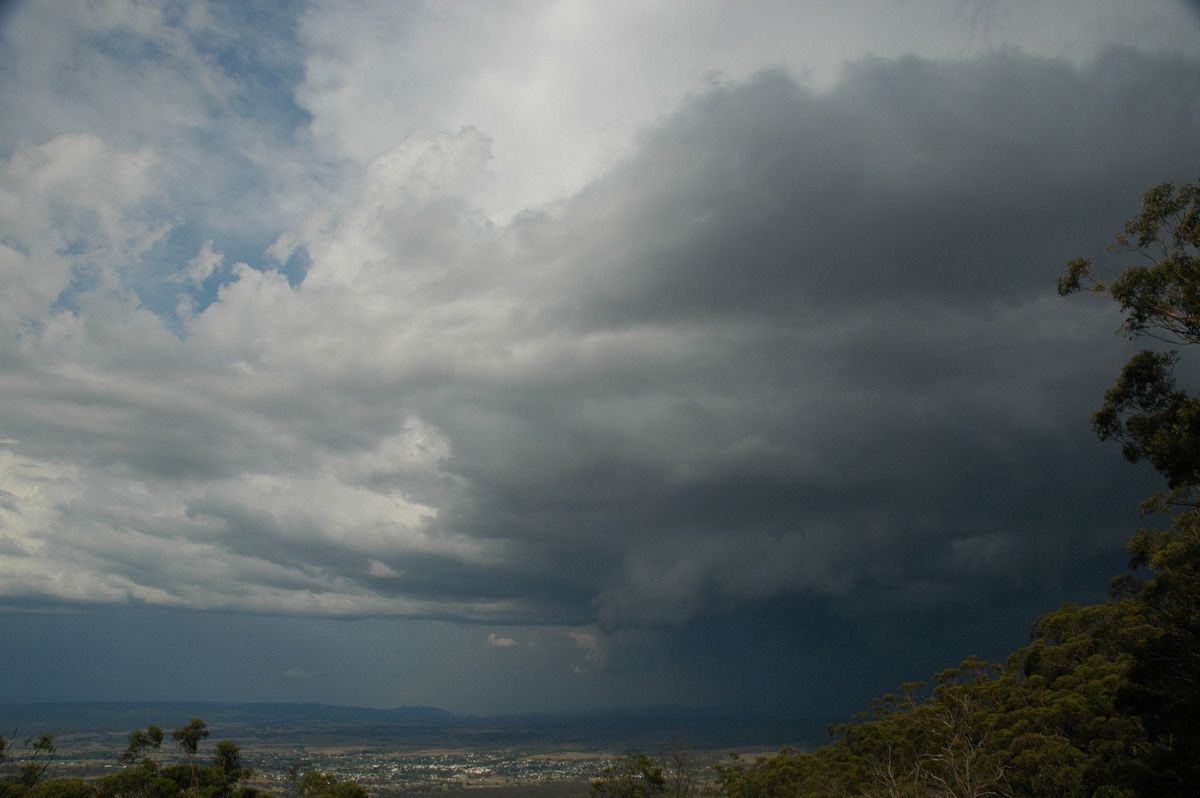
pixel 546 354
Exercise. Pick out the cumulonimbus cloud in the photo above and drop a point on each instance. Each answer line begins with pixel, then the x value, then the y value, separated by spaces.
pixel 786 346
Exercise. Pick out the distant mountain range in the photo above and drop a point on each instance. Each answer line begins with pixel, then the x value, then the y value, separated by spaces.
pixel 92 724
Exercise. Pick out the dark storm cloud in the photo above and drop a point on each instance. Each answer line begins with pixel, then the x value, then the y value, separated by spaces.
pixel 814 344
pixel 915 180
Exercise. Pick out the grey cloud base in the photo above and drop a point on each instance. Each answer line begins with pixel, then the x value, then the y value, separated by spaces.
pixel 810 342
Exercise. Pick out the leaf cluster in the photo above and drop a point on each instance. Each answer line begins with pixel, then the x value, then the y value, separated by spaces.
pixel 1159 298
pixel 1158 422
pixel 34 755
pixel 634 775
pixel 315 784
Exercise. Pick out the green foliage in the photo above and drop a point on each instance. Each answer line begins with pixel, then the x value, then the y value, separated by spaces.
pixel 227 769
pixel 64 788
pixel 981 730
pixel 679 771
pixel 140 742
pixel 144 780
pixel 685 771
pixel 24 767
pixel 348 789
pixel 1159 423
pixel 147 779
pixel 1159 298
pixel 1164 689
pixel 631 776
pixel 784 775
pixel 315 784
pixel 188 737
pixel 1154 420
pixel 144 777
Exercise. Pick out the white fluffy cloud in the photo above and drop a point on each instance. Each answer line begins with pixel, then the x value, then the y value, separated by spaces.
pixel 564 87
pixel 72 211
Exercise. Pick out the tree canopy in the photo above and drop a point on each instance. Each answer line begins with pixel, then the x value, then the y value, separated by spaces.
pixel 22 767
pixel 1159 299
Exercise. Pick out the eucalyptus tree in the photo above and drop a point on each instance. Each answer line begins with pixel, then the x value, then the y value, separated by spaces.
pixel 634 775
pixel 36 755
pixel 142 742
pixel 188 739
pixel 1158 422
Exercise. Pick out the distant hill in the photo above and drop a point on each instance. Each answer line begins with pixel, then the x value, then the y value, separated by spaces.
pixel 107 724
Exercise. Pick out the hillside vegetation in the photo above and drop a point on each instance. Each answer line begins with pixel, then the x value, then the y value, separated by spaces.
pixel 144 776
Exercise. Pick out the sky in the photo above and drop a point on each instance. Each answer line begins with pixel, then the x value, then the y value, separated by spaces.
pixel 525 355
